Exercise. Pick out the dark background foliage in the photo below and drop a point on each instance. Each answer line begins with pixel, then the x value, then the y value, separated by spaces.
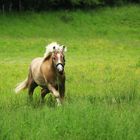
pixel 42 5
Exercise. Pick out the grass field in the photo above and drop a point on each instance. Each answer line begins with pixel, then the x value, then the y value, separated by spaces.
pixel 102 69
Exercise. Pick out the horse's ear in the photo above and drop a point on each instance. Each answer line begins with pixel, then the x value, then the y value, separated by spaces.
pixel 64 49
pixel 54 49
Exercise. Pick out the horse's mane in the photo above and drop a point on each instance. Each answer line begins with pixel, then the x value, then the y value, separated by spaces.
pixel 50 48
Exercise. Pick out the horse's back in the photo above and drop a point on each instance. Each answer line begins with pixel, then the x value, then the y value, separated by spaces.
pixel 36 63
pixel 37 60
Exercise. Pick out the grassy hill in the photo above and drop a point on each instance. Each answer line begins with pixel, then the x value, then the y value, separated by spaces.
pixel 102 69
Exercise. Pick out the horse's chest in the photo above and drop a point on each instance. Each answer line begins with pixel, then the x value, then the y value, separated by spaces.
pixel 54 81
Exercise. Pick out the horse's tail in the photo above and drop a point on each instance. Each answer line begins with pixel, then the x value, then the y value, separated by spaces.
pixel 25 84
pixel 21 86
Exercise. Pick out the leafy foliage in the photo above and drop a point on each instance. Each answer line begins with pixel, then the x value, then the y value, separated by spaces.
pixel 37 5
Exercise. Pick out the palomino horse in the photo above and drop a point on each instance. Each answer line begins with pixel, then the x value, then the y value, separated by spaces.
pixel 48 73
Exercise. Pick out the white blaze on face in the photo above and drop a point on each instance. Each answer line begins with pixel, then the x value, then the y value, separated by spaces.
pixel 59 66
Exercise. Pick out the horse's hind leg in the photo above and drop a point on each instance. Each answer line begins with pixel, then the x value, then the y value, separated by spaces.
pixel 32 85
pixel 44 91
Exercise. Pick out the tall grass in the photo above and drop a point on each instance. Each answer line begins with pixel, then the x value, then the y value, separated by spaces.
pixel 102 68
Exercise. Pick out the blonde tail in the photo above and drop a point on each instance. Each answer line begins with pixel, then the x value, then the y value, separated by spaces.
pixel 21 86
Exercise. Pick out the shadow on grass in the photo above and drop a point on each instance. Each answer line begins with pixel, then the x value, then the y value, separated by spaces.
pixel 37 103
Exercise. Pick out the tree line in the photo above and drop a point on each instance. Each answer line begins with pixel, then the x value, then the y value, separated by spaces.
pixel 39 5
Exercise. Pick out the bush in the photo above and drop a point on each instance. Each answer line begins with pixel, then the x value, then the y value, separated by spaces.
pixel 23 5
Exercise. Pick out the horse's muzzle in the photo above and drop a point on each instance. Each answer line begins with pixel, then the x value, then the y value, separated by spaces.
pixel 60 68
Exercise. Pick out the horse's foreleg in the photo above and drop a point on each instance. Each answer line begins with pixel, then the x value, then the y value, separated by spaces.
pixel 62 92
pixel 61 88
pixel 55 93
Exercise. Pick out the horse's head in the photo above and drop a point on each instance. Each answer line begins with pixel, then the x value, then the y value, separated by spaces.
pixel 59 59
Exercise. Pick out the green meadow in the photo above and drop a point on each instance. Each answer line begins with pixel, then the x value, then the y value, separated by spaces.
pixel 102 74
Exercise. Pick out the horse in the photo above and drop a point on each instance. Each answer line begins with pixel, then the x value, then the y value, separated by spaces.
pixel 48 73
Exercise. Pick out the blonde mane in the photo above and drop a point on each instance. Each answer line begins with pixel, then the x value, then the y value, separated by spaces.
pixel 51 47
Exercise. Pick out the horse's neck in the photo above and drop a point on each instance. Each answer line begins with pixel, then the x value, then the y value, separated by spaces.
pixel 52 68
pixel 49 62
